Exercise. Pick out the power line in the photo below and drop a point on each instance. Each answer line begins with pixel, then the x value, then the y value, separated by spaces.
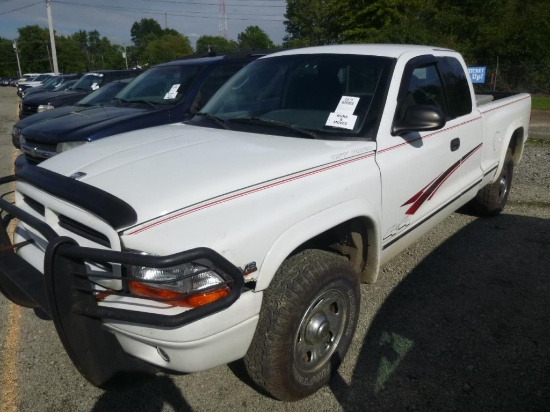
pixel 20 8
pixel 215 4
pixel 172 13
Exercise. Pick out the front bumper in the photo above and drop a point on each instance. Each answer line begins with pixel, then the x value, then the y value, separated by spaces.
pixel 64 292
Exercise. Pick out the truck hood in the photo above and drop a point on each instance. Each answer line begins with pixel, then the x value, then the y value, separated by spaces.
pixel 56 98
pixel 40 117
pixel 82 124
pixel 167 168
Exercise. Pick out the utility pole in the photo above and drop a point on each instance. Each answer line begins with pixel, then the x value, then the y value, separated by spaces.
pixel 49 57
pixel 222 19
pixel 17 55
pixel 125 55
pixel 52 36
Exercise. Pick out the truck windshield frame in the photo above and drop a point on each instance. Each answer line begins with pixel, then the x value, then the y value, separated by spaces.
pixel 332 95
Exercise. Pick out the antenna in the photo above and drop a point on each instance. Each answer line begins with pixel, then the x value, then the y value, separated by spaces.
pixel 222 20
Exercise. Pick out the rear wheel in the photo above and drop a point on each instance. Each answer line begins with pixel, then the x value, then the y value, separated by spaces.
pixel 490 200
pixel 306 325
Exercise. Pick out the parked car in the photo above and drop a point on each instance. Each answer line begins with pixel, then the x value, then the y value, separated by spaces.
pixel 34 82
pixel 6 81
pixel 51 84
pixel 167 93
pixel 99 97
pixel 86 84
pixel 26 77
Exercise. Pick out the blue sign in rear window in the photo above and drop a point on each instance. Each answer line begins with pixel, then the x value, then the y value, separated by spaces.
pixel 477 74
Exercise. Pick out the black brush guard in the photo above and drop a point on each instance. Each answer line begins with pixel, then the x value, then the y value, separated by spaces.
pixel 65 294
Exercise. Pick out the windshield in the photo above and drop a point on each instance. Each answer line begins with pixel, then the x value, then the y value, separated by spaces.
pixel 165 84
pixel 68 85
pixel 52 82
pixel 42 77
pixel 330 95
pixel 90 81
pixel 103 95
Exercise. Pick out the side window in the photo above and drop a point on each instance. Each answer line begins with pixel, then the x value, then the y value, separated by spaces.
pixel 456 85
pixel 424 88
pixel 214 80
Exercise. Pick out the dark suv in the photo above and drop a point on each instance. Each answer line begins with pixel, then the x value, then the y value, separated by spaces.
pixel 85 85
pixel 99 97
pixel 167 93
pixel 51 84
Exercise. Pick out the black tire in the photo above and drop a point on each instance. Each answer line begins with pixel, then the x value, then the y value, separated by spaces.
pixel 490 200
pixel 308 319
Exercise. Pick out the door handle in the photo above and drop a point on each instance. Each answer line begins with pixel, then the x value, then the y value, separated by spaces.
pixel 455 144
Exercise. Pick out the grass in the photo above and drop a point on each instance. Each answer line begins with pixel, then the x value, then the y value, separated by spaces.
pixel 541 103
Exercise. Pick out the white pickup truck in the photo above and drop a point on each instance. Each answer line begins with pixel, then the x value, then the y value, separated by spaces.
pixel 246 232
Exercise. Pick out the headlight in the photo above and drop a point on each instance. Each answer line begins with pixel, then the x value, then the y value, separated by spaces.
pixel 188 285
pixel 44 107
pixel 63 147
pixel 15 132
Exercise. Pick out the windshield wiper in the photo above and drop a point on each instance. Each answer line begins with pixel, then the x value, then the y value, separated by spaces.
pixel 269 122
pixel 154 106
pixel 218 120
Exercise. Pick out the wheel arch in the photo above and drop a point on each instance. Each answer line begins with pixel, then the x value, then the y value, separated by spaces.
pixel 515 140
pixel 349 229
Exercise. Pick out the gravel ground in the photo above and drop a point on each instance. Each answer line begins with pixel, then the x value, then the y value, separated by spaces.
pixel 459 322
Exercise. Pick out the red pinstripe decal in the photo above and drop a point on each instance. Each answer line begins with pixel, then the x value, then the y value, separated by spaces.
pixel 251 191
pixel 286 180
pixel 454 170
pixel 407 143
pixel 506 104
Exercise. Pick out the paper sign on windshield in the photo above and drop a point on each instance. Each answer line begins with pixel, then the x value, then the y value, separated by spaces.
pixel 341 120
pixel 343 116
pixel 173 92
pixel 95 86
pixel 347 104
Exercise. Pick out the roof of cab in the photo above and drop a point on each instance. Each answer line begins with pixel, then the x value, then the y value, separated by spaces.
pixel 384 50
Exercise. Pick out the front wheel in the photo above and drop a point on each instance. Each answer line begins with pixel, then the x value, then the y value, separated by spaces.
pixel 491 199
pixel 306 325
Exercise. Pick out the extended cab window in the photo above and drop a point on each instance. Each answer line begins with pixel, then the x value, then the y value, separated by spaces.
pixel 456 85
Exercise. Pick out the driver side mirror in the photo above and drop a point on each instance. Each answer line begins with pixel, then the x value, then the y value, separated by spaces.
pixel 419 118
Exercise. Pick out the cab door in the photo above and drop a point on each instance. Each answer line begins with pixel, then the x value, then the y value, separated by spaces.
pixel 421 172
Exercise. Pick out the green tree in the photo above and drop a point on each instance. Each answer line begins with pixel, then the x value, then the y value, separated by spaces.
pixel 34 49
pixel 514 31
pixel 383 21
pixel 313 22
pixel 167 48
pixel 143 32
pixel 70 56
pixel 254 38
pixel 8 62
pixel 215 44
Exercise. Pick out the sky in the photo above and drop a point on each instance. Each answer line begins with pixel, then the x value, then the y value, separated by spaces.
pixel 114 18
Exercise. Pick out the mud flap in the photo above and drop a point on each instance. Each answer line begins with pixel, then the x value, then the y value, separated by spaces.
pixel 94 351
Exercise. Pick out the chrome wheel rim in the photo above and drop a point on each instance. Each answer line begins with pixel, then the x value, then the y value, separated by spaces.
pixel 320 330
